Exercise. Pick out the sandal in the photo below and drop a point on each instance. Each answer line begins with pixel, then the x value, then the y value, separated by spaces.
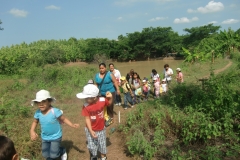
pixel 108 122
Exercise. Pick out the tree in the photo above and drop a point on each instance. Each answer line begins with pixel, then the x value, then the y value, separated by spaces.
pixel 0 26
pixel 196 34
pixel 229 40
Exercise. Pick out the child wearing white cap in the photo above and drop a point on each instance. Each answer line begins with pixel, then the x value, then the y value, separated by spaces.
pixel 93 111
pixel 51 130
pixel 163 87
pixel 179 77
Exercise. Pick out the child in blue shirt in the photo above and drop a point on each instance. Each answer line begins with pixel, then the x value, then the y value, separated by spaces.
pixel 51 130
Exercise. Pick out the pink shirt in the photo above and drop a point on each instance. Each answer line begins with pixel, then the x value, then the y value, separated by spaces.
pixel 180 75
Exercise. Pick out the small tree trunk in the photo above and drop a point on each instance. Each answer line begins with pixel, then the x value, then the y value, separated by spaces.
pixel 212 56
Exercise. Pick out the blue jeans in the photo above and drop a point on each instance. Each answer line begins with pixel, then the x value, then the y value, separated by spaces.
pixel 52 149
pixel 127 98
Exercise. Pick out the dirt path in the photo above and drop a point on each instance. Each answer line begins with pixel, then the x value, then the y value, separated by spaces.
pixel 75 140
pixel 220 70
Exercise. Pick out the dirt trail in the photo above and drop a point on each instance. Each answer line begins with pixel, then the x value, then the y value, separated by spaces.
pixel 220 70
pixel 75 140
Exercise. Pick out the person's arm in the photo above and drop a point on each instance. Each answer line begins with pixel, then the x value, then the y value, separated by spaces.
pixel 68 122
pixel 88 124
pixel 115 82
pixel 170 72
pixel 95 80
pixel 130 90
pixel 109 97
pixel 33 134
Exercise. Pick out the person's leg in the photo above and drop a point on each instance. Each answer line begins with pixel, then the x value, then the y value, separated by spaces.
pixel 92 147
pixel 110 108
pixel 119 99
pixel 55 149
pixel 129 98
pixel 102 142
pixel 125 101
pixel 46 149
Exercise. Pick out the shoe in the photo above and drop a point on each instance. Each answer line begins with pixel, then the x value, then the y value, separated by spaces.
pixel 125 108
pixel 64 156
pixel 104 158
pixel 132 106
pixel 119 104
pixel 116 104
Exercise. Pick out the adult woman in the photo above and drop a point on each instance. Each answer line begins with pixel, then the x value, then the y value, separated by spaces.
pixel 168 72
pixel 117 75
pixel 129 76
pixel 106 81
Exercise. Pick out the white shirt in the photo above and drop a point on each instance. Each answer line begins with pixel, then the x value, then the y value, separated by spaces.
pixel 166 74
pixel 164 87
pixel 117 75
pixel 155 76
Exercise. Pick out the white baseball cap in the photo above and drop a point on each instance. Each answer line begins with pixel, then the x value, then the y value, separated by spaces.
pixel 144 81
pixel 164 80
pixel 42 95
pixel 154 78
pixel 178 69
pixel 89 90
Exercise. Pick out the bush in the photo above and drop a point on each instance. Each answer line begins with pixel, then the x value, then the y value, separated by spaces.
pixel 198 122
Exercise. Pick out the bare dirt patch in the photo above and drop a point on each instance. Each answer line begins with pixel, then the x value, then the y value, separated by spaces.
pixel 71 64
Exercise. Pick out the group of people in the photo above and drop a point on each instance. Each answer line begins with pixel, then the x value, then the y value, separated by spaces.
pixel 99 96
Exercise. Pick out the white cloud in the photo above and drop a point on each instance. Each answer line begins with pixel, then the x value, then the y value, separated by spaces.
pixel 184 20
pixel 52 7
pixel 157 19
pixel 230 21
pixel 18 13
pixel 212 22
pixel 212 6
pixel 119 18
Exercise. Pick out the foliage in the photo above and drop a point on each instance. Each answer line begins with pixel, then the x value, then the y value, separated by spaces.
pixel 15 110
pixel 190 122
pixel 196 34
pixel 198 44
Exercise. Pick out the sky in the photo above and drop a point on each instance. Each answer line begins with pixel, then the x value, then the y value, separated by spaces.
pixel 33 20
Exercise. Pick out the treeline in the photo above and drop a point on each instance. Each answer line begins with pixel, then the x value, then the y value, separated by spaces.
pixel 199 43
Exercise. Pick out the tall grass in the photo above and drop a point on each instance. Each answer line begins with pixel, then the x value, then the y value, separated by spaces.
pixel 16 114
pixel 190 122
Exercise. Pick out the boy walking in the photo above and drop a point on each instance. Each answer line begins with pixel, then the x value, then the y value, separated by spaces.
pixel 93 111
pixel 128 94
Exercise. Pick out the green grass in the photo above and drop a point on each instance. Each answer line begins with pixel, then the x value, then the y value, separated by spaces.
pixel 17 91
pixel 189 122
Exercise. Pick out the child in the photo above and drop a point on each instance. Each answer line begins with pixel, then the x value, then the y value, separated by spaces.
pixel 127 91
pixel 163 87
pixel 90 81
pixel 51 130
pixel 179 76
pixel 156 84
pixel 7 149
pixel 145 88
pixel 136 85
pixel 93 112
pixel 154 74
